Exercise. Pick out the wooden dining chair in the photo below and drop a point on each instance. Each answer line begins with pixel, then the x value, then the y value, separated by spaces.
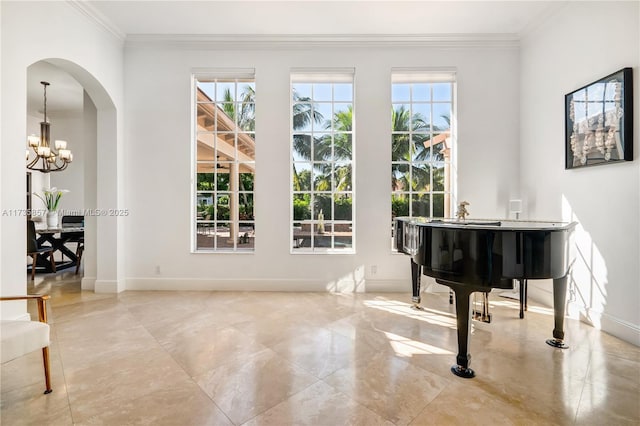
pixel 19 337
pixel 73 237
pixel 34 249
pixel 79 252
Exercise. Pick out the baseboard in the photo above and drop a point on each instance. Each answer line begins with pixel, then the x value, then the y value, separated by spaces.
pixel 109 286
pixel 88 283
pixel 340 286
pixel 605 322
pixel 621 329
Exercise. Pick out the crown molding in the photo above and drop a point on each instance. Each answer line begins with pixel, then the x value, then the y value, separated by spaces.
pixel 304 41
pixel 97 18
pixel 550 11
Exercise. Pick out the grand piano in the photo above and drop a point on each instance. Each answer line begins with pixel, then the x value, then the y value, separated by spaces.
pixel 479 255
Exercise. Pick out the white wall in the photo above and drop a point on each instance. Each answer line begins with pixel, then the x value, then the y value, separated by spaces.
pixel 95 60
pixel 580 44
pixel 70 127
pixel 157 157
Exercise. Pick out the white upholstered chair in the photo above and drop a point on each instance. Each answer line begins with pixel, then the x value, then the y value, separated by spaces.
pixel 18 338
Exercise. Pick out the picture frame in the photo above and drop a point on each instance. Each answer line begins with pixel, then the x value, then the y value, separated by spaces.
pixel 599 122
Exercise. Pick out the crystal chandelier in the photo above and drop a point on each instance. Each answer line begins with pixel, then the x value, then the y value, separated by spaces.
pixel 47 159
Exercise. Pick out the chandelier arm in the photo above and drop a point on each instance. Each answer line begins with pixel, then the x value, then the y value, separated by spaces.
pixel 33 163
pixel 52 162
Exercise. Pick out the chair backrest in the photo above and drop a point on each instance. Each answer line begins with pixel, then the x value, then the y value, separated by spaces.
pixel 71 220
pixel 32 243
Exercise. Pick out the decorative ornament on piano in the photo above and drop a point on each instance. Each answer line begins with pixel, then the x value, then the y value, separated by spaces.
pixel 462 212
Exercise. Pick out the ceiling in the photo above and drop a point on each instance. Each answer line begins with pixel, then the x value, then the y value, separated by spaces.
pixel 289 17
pixel 321 17
pixel 64 94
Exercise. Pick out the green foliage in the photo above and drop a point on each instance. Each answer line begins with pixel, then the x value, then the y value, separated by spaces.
pixel 246 181
pixel 205 182
pixel 400 206
pixel 342 205
pixel 343 208
pixel 209 212
pixel 301 209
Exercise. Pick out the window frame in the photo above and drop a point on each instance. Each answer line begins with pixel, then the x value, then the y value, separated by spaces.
pixel 447 136
pixel 312 77
pixel 231 160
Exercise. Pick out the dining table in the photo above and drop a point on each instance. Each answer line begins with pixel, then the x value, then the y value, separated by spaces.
pixel 57 239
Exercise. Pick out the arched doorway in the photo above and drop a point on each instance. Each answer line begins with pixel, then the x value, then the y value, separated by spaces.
pixel 84 109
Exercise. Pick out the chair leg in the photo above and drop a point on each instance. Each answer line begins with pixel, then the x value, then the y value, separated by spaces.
pixel 33 266
pixel 79 252
pixel 53 262
pixel 47 376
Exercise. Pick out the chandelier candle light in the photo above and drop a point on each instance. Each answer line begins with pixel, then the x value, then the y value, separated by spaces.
pixel 47 159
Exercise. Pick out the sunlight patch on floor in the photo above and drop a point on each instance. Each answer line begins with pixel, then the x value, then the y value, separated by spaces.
pixel 407 348
pixel 516 306
pixel 432 316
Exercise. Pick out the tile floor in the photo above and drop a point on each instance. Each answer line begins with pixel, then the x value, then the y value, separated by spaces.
pixel 242 358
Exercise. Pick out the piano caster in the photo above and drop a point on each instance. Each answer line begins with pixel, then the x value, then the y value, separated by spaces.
pixel 465 373
pixel 481 316
pixel 556 343
pixel 416 303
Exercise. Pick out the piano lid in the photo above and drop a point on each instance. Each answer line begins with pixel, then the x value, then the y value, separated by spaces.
pixel 496 224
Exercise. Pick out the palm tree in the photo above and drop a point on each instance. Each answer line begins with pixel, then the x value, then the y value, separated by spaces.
pixel 341 149
pixel 246 122
pixel 303 115
pixel 246 115
pixel 406 150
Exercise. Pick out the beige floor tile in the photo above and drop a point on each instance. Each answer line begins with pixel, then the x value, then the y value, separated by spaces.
pixel 202 347
pixel 248 387
pixel 276 328
pixel 391 387
pixel 602 405
pixel 473 403
pixel 182 405
pixel 29 406
pixel 29 370
pixel 221 358
pixel 318 405
pixel 319 351
pixel 87 350
pixel 107 385
pixel 613 372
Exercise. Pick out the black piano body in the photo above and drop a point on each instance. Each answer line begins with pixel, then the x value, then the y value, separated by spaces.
pixel 479 255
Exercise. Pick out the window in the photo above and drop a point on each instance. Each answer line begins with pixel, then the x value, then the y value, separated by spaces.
pixel 421 150
pixel 224 164
pixel 322 166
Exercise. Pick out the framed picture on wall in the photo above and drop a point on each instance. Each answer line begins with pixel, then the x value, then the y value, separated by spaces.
pixel 599 122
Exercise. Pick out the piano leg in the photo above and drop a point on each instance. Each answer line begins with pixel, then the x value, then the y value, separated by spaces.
pixel 559 301
pixel 415 281
pixel 523 295
pixel 463 319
